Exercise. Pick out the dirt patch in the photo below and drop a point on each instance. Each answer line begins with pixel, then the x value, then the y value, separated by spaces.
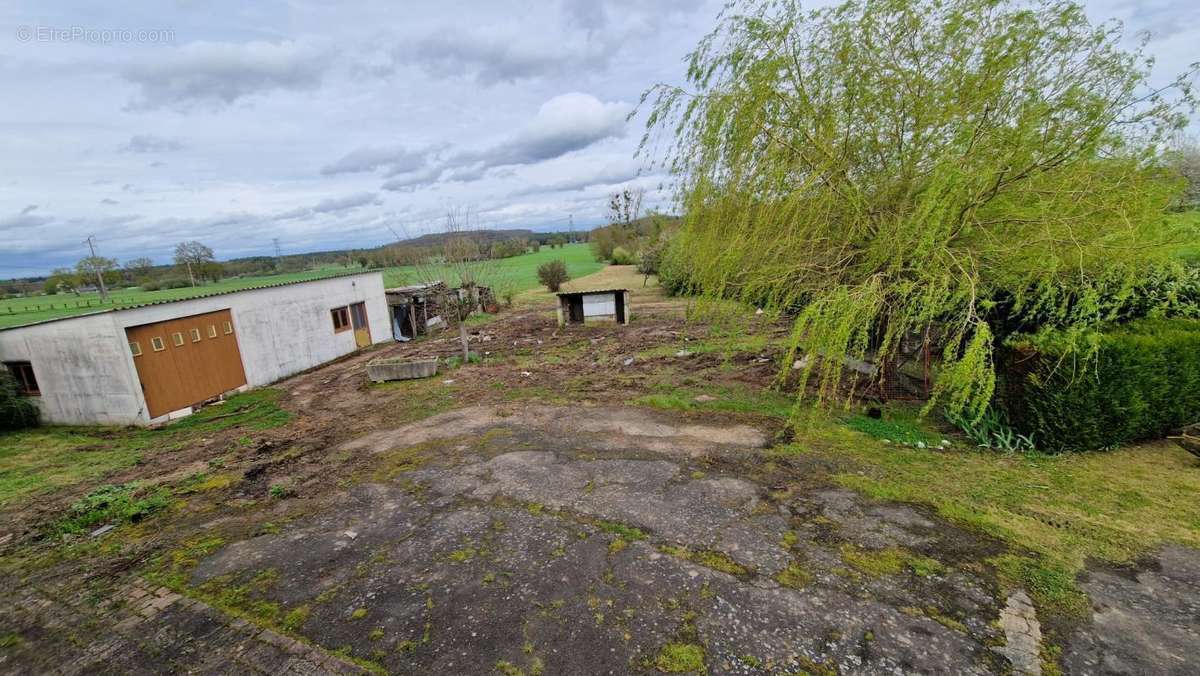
pixel 607 428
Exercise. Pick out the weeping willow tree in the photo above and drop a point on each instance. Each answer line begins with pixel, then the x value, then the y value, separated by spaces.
pixel 885 166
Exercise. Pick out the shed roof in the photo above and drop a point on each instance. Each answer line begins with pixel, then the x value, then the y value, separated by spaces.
pixel 588 292
pixel 167 301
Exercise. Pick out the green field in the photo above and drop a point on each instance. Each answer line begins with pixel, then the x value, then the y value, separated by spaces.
pixel 515 274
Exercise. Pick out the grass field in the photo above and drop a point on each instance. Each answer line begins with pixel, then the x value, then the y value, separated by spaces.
pixel 515 274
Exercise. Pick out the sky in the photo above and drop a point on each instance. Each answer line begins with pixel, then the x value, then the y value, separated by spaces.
pixel 329 125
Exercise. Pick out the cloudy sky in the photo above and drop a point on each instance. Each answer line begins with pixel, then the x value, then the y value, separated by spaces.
pixel 324 123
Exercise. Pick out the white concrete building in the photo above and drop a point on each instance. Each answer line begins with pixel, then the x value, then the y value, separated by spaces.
pixel 155 362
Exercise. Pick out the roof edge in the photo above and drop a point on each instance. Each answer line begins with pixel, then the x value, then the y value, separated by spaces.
pixel 168 301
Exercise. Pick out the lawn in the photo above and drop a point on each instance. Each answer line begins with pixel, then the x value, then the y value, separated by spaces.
pixel 48 458
pixel 515 274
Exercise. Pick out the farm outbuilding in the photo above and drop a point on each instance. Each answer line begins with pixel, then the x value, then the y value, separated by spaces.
pixel 588 307
pixel 158 361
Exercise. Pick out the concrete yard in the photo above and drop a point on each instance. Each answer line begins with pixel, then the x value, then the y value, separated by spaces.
pixel 523 516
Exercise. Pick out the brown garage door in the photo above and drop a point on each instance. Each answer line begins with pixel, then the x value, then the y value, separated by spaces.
pixel 185 361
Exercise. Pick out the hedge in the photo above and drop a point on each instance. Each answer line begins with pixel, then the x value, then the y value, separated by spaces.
pixel 1104 388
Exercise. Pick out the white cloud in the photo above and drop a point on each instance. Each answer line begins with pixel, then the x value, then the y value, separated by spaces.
pixel 216 74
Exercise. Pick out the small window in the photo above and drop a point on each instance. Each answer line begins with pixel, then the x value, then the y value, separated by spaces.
pixel 195 335
pixel 341 319
pixel 26 382
pixel 177 338
pixel 228 328
pixel 135 348
pixel 157 344
pixel 212 330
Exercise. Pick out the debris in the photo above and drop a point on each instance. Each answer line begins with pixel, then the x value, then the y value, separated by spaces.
pixel 684 353
pixel 704 397
pixel 351 534
pixel 526 373
pixel 759 311
pixel 801 363
pixel 628 361
pixel 920 444
pixel 448 382
pixel 102 530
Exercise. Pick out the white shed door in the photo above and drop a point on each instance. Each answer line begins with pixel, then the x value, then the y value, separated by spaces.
pixel 600 304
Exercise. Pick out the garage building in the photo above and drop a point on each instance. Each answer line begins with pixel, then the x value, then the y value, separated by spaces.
pixel 159 361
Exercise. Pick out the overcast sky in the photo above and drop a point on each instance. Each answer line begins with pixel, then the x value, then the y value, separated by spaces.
pixel 320 123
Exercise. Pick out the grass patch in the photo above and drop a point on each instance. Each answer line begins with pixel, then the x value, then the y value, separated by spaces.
pixel 707 558
pixel 49 458
pixel 256 409
pixel 626 532
pixel 794 576
pixel 1061 509
pixel 876 563
pixel 894 427
pixel 295 618
pixel 728 399
pixel 680 658
pixel 115 505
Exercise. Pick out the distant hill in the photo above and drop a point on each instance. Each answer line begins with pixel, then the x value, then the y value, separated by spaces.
pixel 484 236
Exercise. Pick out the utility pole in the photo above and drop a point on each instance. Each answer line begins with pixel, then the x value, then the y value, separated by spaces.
pixel 571 220
pixel 278 255
pixel 91 242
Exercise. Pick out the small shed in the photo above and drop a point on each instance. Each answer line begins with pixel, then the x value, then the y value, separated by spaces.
pixel 591 307
pixel 416 308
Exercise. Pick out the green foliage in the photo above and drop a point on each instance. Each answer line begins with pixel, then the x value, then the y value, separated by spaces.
pixel 1088 390
pixel 992 430
pixel 622 256
pixel 553 274
pixel 680 658
pixel 111 504
pixel 894 429
pixel 891 166
pixel 16 411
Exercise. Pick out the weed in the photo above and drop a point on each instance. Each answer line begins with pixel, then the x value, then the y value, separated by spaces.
pixel 111 504
pixel 794 576
pixel 708 558
pixel 679 658
pixel 358 613
pixel 279 491
pixel 626 532
pixel 295 618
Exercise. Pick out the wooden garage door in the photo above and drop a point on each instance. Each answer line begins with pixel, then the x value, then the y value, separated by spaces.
pixel 185 361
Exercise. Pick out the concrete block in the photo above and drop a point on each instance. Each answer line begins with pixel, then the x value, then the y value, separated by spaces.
pixel 382 370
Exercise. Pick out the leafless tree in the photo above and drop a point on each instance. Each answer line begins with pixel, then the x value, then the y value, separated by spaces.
pixel 1185 159
pixel 461 256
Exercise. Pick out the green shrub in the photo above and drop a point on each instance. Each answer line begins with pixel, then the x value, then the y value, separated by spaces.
pixel 552 274
pixel 16 411
pixel 1095 390
pixel 622 256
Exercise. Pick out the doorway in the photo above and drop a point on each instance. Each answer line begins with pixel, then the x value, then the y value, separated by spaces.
pixel 358 320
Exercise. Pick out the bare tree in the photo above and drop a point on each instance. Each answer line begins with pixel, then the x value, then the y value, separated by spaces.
pixel 460 256
pixel 1184 158
pixel 192 255
pixel 624 207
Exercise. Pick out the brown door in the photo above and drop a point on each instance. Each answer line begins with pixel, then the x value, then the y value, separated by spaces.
pixel 181 362
pixel 358 319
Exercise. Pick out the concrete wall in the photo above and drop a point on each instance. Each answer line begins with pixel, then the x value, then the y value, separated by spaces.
pixel 83 368
pixel 86 374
